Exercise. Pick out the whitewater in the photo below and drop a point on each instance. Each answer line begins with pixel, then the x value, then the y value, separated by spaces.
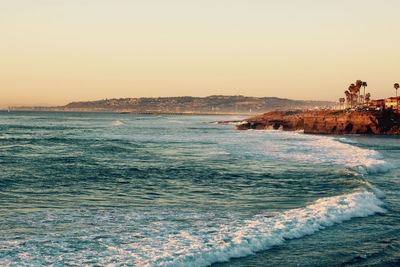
pixel 126 190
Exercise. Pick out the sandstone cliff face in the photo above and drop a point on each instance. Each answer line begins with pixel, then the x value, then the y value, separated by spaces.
pixel 328 122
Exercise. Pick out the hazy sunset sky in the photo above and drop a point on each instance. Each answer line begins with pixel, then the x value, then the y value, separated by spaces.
pixel 56 51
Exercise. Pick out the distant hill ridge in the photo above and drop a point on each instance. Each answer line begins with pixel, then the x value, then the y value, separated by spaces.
pixel 214 103
pixel 188 104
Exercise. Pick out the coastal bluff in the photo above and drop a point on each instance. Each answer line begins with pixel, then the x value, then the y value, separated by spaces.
pixel 386 122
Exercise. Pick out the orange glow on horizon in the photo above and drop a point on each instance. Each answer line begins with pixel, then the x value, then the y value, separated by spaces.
pixel 55 52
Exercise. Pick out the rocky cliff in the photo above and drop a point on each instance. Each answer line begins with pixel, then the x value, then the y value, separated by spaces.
pixel 385 122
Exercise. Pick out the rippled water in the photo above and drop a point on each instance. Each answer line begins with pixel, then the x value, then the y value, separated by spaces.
pixel 128 190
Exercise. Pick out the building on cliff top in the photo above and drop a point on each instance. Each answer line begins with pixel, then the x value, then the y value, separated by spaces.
pixel 392 102
pixel 376 104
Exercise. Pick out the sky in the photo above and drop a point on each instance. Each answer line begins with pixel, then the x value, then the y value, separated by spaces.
pixel 56 51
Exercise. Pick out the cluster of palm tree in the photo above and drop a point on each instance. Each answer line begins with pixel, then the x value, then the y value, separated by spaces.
pixel 353 94
pixel 354 97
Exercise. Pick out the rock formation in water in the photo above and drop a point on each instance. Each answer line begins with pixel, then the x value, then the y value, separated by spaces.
pixel 386 122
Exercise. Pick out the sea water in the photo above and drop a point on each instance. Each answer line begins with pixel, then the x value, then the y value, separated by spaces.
pixel 102 189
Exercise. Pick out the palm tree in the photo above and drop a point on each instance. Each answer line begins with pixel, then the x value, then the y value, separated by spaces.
pixel 341 102
pixel 348 97
pixel 359 83
pixel 353 93
pixel 367 97
pixel 364 84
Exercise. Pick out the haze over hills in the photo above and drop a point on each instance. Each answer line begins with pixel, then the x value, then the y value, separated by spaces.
pixel 188 104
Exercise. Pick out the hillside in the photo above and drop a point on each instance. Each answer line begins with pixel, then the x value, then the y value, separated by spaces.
pixel 187 104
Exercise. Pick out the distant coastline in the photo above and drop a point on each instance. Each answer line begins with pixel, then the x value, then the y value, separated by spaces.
pixel 121 112
pixel 186 105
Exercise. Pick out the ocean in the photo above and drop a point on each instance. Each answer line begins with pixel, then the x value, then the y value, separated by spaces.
pixel 106 189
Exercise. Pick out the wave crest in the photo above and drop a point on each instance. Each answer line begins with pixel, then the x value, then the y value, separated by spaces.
pixel 325 150
pixel 241 239
pixel 117 123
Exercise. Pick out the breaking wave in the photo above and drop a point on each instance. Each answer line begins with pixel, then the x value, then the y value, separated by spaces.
pixel 176 121
pixel 117 123
pixel 263 231
pixel 326 150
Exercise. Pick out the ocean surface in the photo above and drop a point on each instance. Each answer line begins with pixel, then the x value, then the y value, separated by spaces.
pixel 100 189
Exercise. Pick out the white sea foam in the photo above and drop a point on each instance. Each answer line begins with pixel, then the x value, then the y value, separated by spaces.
pixel 379 193
pixel 233 123
pixel 327 150
pixel 348 172
pixel 117 123
pixel 243 238
pixel 176 121
pixel 347 141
